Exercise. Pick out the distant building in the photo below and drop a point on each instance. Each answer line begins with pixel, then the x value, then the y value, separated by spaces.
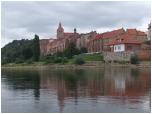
pixel 125 43
pixel 60 43
pixel 103 42
pixel 116 41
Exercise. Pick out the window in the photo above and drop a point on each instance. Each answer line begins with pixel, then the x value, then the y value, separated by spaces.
pixel 115 48
pixel 129 47
pixel 119 48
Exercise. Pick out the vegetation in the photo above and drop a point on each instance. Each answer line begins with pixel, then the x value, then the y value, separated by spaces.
pixel 36 48
pixel 20 51
pixel 134 59
pixel 71 50
pixel 91 57
pixel 79 61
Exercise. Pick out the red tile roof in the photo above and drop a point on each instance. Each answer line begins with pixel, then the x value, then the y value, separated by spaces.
pixel 141 33
pixel 131 31
pixel 126 39
pixel 113 33
pixel 110 34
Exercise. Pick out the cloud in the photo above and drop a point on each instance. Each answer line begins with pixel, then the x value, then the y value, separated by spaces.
pixel 24 19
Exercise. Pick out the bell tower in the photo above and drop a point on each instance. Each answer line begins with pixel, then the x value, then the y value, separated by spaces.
pixel 60 31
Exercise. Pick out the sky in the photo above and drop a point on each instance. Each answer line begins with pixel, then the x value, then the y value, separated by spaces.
pixel 25 19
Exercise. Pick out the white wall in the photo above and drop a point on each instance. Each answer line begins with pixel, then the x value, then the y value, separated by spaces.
pixel 119 48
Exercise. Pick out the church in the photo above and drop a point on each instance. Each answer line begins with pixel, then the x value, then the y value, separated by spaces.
pixel 51 46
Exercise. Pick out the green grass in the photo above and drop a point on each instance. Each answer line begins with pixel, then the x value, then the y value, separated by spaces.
pixel 91 57
pixel 87 57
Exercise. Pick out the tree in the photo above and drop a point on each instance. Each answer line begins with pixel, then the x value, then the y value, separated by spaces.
pixel 79 61
pixel 134 59
pixel 36 48
pixel 27 53
pixel 83 50
pixel 15 50
pixel 71 50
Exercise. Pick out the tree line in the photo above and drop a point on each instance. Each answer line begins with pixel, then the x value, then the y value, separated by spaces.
pixel 19 51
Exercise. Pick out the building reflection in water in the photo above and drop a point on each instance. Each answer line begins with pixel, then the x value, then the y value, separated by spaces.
pixel 108 82
pixel 74 84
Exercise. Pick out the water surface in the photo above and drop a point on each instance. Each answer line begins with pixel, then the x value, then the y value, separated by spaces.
pixel 109 89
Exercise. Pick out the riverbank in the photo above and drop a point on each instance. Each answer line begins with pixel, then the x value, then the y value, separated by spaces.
pixel 96 64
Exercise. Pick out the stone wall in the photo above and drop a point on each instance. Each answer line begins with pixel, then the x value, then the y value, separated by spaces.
pixel 117 56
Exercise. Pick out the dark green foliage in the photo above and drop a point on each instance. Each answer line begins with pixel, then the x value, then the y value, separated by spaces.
pixel 134 59
pixel 30 61
pixel 18 61
pixel 58 60
pixel 59 54
pixel 79 61
pixel 83 50
pixel 16 50
pixel 21 50
pixel 64 60
pixel 71 50
pixel 53 59
pixel 27 53
pixel 148 42
pixel 36 48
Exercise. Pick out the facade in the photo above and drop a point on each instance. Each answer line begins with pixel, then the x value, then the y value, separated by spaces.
pixel 116 41
pixel 99 43
pixel 84 39
pixel 44 43
pixel 60 43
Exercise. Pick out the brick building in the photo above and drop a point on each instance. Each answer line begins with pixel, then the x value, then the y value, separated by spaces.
pixel 60 43
pixel 116 40
pixel 130 36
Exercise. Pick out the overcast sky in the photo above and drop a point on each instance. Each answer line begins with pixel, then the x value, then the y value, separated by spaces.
pixel 24 19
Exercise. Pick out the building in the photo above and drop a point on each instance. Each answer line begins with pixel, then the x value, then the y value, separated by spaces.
pixel 44 43
pixel 97 44
pixel 116 41
pixel 101 42
pixel 124 44
pixel 60 43
pixel 84 39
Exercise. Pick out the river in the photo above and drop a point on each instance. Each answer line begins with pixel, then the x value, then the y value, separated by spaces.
pixel 43 89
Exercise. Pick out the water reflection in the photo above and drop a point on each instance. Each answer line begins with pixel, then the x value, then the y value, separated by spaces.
pixel 117 86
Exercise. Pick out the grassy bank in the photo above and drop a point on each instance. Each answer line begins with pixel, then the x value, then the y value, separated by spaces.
pixel 81 60
pixel 88 64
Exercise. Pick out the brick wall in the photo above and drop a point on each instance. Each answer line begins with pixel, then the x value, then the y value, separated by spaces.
pixel 144 55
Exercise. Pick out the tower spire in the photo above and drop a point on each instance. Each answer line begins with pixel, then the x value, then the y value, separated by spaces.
pixel 60 31
pixel 60 24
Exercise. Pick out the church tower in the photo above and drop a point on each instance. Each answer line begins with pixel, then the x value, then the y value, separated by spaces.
pixel 60 31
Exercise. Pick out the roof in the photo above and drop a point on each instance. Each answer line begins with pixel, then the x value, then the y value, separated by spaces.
pixel 141 33
pixel 135 32
pixel 110 34
pixel 126 39
pixel 131 31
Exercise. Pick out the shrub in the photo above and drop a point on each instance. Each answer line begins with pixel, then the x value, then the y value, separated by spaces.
pixel 83 50
pixel 19 61
pixel 79 61
pixel 134 59
pixel 58 60
pixel 29 61
pixel 64 60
